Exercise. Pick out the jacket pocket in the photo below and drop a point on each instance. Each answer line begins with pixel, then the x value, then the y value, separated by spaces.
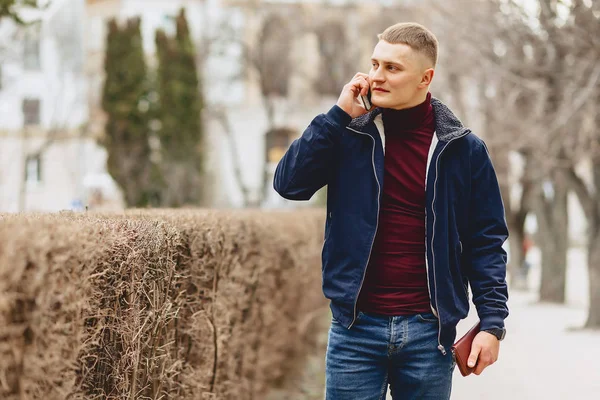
pixel 328 224
pixel 459 259
pixel 326 250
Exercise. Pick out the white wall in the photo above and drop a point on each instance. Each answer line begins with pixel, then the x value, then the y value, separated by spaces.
pixel 59 84
pixel 249 125
pixel 70 169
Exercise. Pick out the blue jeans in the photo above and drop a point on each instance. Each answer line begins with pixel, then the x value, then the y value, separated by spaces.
pixel 378 350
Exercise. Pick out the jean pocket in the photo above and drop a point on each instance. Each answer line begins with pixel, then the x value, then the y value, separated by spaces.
pixel 427 317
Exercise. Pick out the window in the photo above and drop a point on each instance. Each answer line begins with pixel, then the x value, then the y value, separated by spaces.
pixel 31 112
pixel 273 56
pixel 277 142
pixel 31 50
pixel 334 55
pixel 33 170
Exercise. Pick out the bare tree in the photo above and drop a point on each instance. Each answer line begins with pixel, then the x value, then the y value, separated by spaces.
pixel 483 75
pixel 584 141
pixel 268 56
pixel 539 93
pixel 338 59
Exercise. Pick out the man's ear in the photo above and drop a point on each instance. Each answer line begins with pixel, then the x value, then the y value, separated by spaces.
pixel 426 78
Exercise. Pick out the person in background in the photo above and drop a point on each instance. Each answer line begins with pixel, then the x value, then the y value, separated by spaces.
pixel 526 265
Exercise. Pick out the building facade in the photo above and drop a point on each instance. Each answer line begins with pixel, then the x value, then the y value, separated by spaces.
pixel 48 162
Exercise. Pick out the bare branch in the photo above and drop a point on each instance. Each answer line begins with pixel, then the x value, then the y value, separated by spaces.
pixel 220 114
pixel 585 198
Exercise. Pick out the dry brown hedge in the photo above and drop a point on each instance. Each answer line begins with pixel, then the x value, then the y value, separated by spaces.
pixel 186 304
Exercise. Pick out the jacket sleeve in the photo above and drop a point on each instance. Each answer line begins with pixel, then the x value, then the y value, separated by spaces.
pixel 487 231
pixel 306 165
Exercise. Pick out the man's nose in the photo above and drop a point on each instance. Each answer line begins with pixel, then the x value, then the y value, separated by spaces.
pixel 377 76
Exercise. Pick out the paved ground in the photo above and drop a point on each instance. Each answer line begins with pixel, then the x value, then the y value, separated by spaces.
pixel 545 355
pixel 542 357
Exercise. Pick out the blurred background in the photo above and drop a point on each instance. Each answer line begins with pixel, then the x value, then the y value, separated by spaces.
pixel 108 104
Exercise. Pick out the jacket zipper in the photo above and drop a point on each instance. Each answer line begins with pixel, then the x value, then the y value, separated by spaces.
pixel 325 236
pixel 376 224
pixel 441 348
pixel 433 310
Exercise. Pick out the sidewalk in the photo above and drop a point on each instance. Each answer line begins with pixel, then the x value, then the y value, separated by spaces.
pixel 541 357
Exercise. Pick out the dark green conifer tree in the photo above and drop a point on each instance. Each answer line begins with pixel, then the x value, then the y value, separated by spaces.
pixel 179 111
pixel 125 102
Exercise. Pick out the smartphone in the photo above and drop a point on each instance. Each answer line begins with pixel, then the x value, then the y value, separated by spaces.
pixel 366 100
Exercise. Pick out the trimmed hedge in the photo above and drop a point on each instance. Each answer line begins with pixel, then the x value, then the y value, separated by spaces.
pixel 150 304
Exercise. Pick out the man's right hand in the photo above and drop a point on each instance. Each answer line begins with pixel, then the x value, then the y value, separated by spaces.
pixel 349 101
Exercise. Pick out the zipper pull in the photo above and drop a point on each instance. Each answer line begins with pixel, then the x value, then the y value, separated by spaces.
pixel 442 349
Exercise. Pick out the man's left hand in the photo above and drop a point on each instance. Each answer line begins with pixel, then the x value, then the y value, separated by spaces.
pixel 484 352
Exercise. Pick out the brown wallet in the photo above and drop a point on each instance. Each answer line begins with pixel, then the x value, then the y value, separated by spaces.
pixel 462 349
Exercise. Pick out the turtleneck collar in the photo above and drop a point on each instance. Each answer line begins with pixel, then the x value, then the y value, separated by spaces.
pixel 409 118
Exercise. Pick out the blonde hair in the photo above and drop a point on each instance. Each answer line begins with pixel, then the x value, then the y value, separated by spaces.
pixel 414 35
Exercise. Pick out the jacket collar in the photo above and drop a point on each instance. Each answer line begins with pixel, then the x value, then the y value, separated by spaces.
pixel 447 125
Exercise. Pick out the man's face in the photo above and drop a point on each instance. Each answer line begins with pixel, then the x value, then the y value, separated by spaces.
pixel 399 76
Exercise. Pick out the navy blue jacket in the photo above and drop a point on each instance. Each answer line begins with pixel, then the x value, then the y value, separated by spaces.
pixel 464 213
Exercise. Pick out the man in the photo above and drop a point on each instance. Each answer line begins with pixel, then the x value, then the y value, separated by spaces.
pixel 414 215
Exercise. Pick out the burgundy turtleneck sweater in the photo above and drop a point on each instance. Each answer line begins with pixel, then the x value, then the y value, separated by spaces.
pixel 396 278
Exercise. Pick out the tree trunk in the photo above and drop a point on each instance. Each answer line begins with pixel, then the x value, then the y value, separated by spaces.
pixel 593 320
pixel 591 207
pixel 554 260
pixel 515 216
pixel 516 228
pixel 553 234
pixel 22 202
